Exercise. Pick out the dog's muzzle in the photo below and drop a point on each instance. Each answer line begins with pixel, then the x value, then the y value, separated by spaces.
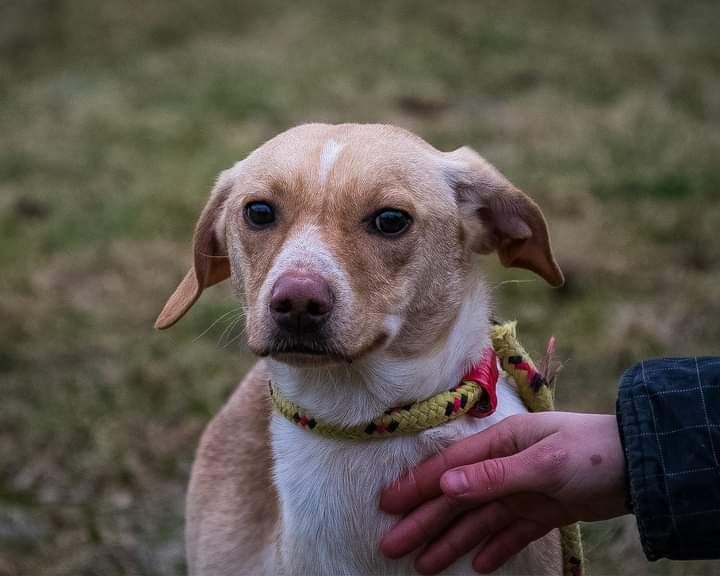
pixel 300 305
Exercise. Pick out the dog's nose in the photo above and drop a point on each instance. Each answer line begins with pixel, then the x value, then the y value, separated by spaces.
pixel 300 302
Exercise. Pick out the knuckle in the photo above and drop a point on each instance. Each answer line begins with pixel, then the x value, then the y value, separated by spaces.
pixel 519 423
pixel 513 421
pixel 509 432
pixel 551 462
pixel 490 474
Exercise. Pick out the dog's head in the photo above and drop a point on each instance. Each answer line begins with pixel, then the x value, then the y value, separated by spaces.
pixel 351 238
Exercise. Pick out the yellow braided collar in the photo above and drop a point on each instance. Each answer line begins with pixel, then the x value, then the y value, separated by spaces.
pixel 475 395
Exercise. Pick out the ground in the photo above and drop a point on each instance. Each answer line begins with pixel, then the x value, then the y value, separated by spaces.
pixel 116 117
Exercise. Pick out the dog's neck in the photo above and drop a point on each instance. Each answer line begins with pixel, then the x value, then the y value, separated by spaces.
pixel 349 394
pixel 328 489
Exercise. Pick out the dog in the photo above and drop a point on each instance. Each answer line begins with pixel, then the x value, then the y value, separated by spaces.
pixel 355 249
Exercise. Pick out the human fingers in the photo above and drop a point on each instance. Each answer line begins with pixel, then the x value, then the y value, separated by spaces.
pixel 418 527
pixel 423 482
pixel 505 544
pixel 420 484
pixel 541 468
pixel 471 529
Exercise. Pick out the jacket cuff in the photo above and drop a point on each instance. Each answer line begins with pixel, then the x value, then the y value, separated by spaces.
pixel 667 412
pixel 646 498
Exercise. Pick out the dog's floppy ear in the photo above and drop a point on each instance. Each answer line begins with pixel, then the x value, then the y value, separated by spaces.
pixel 499 217
pixel 211 264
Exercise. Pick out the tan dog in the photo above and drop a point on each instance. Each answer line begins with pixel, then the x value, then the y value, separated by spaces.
pixel 354 248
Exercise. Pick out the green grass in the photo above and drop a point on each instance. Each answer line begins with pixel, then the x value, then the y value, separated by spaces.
pixel 116 118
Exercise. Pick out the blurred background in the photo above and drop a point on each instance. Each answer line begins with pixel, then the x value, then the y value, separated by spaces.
pixel 117 116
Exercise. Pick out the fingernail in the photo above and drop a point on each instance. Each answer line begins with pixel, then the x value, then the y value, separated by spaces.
pixel 456 482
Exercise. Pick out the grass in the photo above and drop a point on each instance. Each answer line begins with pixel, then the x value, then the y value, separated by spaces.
pixel 116 117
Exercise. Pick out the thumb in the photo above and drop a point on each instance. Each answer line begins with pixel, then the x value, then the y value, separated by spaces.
pixel 541 468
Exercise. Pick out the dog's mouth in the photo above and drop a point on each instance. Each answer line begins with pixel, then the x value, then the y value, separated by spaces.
pixel 315 350
pixel 304 351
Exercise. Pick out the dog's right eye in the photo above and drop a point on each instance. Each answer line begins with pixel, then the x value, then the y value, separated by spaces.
pixel 391 222
pixel 259 214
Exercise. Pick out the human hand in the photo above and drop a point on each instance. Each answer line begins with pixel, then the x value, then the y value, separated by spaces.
pixel 505 487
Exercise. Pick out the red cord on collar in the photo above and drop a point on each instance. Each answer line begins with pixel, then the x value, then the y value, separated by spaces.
pixel 485 374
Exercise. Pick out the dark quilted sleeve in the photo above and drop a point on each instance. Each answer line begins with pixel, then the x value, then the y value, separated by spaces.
pixel 669 418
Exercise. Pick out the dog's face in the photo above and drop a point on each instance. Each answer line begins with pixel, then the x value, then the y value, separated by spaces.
pixel 352 238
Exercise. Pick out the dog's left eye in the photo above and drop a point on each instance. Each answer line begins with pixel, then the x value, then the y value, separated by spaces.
pixel 391 222
pixel 260 214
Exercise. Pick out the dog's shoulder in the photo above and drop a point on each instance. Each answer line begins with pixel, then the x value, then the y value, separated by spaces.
pixel 246 415
pixel 232 503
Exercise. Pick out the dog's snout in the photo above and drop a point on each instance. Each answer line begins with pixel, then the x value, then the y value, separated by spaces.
pixel 300 302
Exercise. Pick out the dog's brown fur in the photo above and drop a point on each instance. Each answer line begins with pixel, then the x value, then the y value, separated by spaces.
pixel 232 503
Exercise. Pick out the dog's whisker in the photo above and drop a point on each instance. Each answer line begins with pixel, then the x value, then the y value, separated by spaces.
pixel 229 329
pixel 235 338
pixel 239 315
pixel 218 319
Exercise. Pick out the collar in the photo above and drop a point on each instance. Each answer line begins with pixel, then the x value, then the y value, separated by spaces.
pixel 475 396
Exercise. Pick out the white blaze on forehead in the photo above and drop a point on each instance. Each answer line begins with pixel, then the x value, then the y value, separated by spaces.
pixel 392 325
pixel 329 154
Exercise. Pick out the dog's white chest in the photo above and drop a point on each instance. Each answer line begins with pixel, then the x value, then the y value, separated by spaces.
pixel 329 492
